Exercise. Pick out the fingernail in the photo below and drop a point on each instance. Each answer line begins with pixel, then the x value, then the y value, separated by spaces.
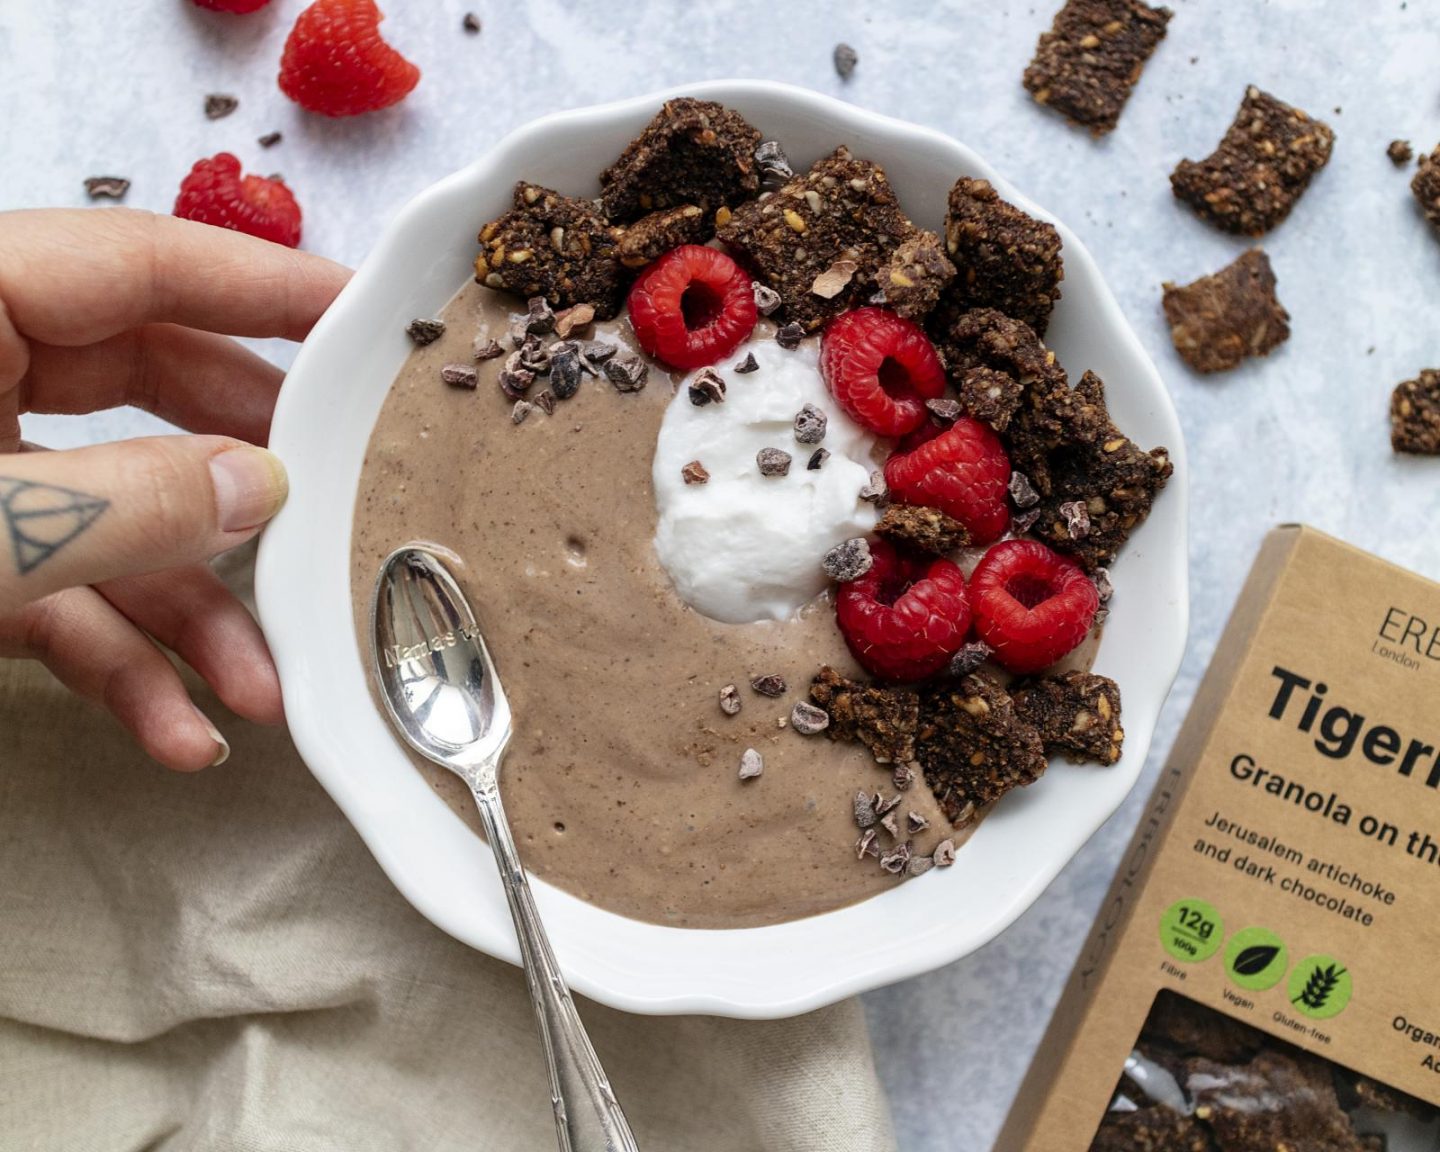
pixel 250 486
pixel 224 753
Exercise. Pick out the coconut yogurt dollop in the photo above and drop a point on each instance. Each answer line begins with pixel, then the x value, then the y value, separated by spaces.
pixel 744 546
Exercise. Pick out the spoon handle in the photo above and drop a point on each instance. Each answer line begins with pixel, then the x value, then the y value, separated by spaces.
pixel 588 1118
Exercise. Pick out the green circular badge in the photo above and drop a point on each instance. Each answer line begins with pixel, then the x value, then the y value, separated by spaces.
pixel 1320 987
pixel 1190 931
pixel 1256 958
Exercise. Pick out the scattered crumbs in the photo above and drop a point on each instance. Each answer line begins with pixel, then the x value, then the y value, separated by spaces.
pixel 749 364
pixel 769 685
pixel 817 459
pixel 708 387
pixel 751 764
pixel 425 331
pixel 694 473
pixel 845 58
pixel 471 23
pixel 730 700
pixel 788 336
pixel 270 139
pixel 848 560
pixel 766 298
pixel 810 424
pixel 485 348
pixel 460 376
pixel 522 409
pixel 773 462
pixel 106 187
pixel 218 105
pixel 807 719
pixel 1022 492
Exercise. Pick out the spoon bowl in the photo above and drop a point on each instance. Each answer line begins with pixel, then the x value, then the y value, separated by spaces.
pixel 436 676
pixel 444 697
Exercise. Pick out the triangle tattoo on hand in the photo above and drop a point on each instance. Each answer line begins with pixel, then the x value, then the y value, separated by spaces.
pixel 40 519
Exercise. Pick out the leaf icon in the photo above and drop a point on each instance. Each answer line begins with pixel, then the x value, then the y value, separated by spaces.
pixel 1254 960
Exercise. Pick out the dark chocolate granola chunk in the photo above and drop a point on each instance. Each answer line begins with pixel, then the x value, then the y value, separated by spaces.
pixel 693 152
pixel 1076 713
pixel 1006 259
pixel 1277 1100
pixel 1415 414
pixel 1115 479
pixel 1091 58
pixel 883 719
pixel 1050 413
pixel 1153 1129
pixel 915 275
pixel 553 246
pixel 1219 320
pixel 989 396
pixel 1262 166
pixel 974 747
pixel 652 236
pixel 925 529
pixel 1426 186
pixel 843 209
pixel 1400 152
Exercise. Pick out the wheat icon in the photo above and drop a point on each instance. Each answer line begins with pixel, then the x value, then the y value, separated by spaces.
pixel 1320 986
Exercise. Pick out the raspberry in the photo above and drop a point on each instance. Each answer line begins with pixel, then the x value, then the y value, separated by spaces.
pixel 214 192
pixel 881 369
pixel 239 7
pixel 692 307
pixel 963 471
pixel 336 64
pixel 1032 605
pixel 906 617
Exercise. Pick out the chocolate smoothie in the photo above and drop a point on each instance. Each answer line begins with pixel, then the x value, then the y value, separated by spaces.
pixel 622 781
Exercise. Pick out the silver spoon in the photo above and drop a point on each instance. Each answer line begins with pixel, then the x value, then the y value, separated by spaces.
pixel 440 688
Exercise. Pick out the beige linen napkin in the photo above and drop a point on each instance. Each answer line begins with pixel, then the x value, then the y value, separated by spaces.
pixel 216 962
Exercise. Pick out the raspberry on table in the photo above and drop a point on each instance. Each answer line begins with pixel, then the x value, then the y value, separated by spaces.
pixel 906 616
pixel 214 192
pixel 238 7
pixel 963 471
pixel 1032 605
pixel 692 307
pixel 336 63
pixel 881 368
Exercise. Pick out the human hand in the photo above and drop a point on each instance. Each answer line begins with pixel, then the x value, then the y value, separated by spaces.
pixel 103 548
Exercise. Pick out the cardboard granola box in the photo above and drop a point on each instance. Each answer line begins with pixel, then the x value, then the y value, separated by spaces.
pixel 1265 972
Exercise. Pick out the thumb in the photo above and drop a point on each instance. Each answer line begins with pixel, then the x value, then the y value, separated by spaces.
pixel 93 514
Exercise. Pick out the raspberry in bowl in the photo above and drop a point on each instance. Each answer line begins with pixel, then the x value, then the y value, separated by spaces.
pixel 536 436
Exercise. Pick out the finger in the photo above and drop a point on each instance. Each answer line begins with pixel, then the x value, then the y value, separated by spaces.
pixel 98 654
pixel 191 612
pixel 200 381
pixel 78 276
pixel 94 514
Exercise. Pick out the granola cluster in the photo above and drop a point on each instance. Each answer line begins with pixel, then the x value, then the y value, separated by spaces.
pixel 1261 168
pixel 825 240
pixel 1219 320
pixel 1092 56
pixel 1202 1081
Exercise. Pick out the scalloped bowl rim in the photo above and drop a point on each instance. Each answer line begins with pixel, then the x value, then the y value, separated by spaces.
pixel 321 426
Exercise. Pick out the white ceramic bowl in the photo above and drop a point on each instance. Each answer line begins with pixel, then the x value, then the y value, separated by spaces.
pixel 322 423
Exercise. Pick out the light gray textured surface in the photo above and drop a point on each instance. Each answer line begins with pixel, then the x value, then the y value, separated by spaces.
pixel 106 88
